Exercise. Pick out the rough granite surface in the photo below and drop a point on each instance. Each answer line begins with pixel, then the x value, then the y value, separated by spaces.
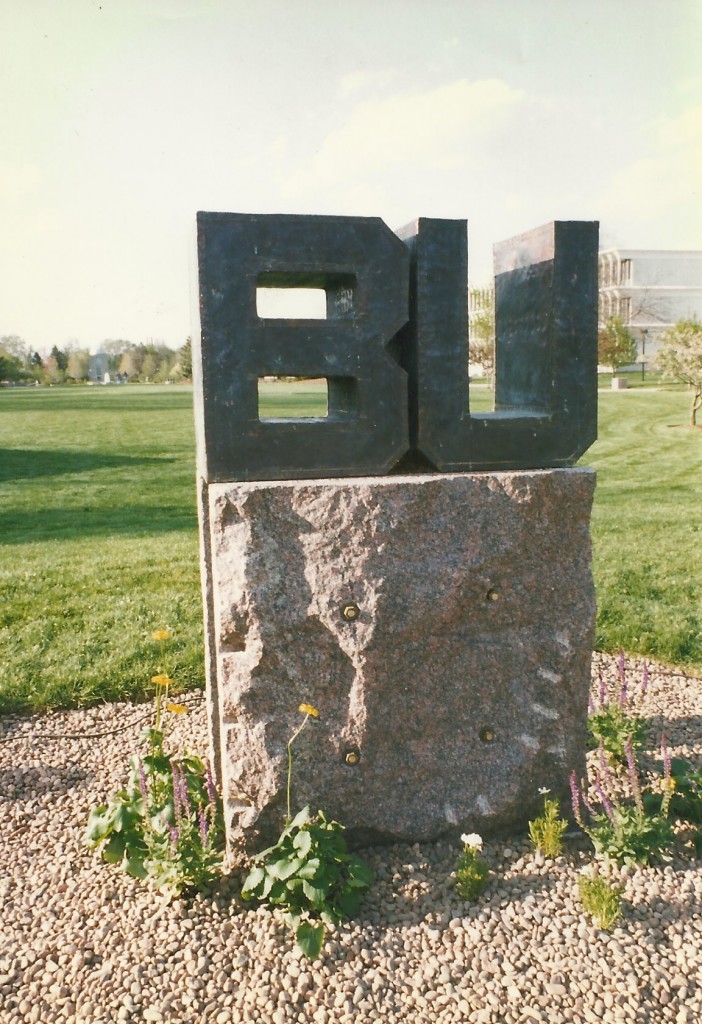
pixel 460 688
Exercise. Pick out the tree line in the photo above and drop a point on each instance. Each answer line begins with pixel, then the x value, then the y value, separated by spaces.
pixel 146 362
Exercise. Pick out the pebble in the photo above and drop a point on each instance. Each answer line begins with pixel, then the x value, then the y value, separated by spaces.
pixel 81 943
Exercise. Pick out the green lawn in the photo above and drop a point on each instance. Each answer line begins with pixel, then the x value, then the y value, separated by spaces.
pixel 99 542
pixel 98 535
pixel 647 526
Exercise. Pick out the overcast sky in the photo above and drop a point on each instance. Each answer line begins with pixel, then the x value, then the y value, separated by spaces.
pixel 119 119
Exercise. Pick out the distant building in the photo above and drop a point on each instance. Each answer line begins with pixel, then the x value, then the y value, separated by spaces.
pixel 650 290
pixel 98 367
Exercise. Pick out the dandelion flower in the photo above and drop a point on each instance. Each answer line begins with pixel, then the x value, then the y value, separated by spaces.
pixel 474 841
pixel 161 634
pixel 176 709
pixel 308 709
pixel 162 680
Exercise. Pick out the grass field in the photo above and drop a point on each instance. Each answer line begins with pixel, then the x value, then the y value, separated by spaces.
pixel 98 535
pixel 647 526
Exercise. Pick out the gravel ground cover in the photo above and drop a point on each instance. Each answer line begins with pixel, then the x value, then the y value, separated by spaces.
pixel 80 942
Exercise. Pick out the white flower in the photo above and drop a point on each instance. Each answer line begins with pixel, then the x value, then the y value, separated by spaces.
pixel 543 790
pixel 473 840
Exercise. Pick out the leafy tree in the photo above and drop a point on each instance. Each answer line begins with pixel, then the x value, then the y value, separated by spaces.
pixel 128 363
pixel 54 373
pixel 185 359
pixel 10 366
pixel 616 345
pixel 13 345
pixel 165 370
pixel 680 358
pixel 60 357
pixel 114 349
pixel 151 360
pixel 15 358
pixel 481 346
pixel 150 365
pixel 78 365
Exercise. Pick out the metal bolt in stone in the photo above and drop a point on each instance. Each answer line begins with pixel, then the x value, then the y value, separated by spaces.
pixel 350 612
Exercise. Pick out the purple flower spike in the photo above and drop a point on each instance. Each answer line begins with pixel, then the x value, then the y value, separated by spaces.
pixel 202 822
pixel 184 793
pixel 174 834
pixel 181 802
pixel 633 775
pixel 184 799
pixel 667 762
pixel 210 785
pixel 575 798
pixel 604 800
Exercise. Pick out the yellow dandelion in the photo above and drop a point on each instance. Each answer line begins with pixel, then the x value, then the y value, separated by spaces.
pixel 176 709
pixel 308 709
pixel 161 634
pixel 162 680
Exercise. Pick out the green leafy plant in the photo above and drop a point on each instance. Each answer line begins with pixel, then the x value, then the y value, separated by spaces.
pixel 167 825
pixel 613 721
pixel 472 871
pixel 601 899
pixel 546 831
pixel 309 871
pixel 620 828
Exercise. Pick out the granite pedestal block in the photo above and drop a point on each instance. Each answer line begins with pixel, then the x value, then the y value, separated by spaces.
pixel 442 625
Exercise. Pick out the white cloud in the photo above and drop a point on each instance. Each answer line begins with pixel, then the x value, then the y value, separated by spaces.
pixel 436 130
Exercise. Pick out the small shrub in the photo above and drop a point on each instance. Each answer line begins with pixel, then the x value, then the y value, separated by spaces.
pixel 546 832
pixel 620 828
pixel 601 899
pixel 167 825
pixel 471 870
pixel 613 721
pixel 311 874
